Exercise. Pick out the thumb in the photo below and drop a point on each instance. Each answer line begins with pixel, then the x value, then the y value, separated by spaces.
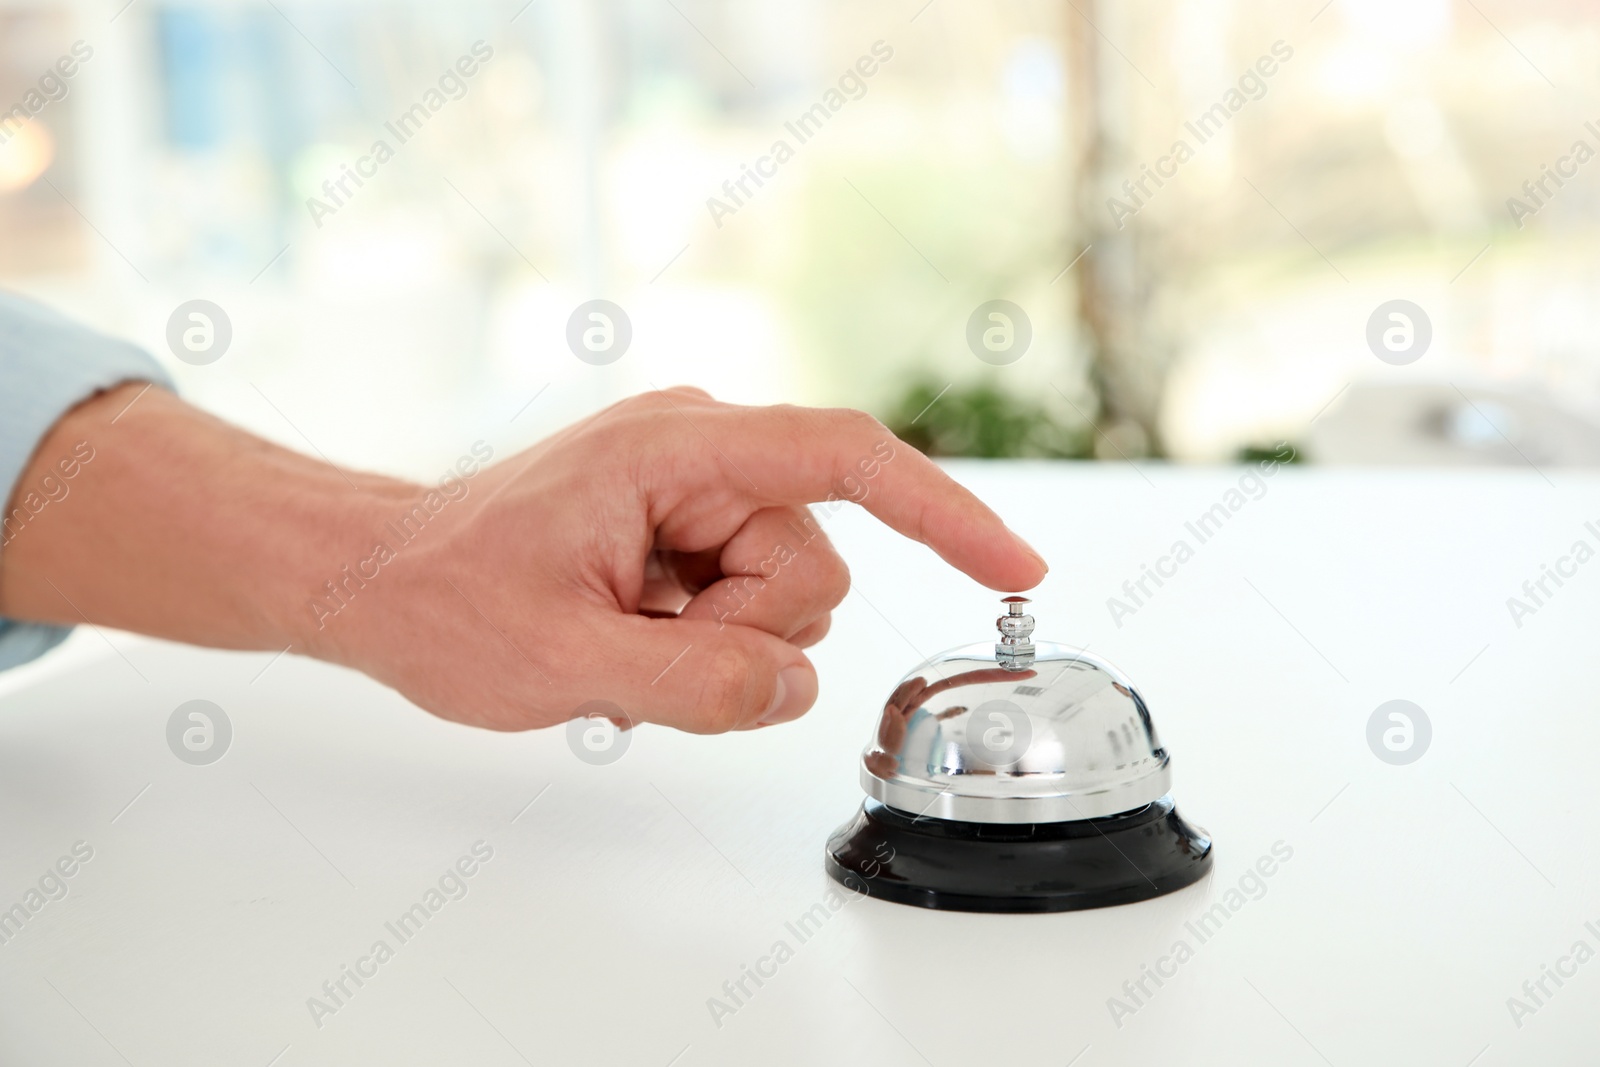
pixel 704 677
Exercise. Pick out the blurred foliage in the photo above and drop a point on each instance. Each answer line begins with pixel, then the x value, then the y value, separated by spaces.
pixel 982 421
pixel 1283 452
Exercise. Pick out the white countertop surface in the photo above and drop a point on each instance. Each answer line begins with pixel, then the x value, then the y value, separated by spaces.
pixel 1418 898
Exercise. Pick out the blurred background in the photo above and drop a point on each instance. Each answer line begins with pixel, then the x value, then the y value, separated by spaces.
pixel 1193 304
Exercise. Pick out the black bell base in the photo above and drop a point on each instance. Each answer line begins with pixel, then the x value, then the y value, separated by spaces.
pixel 1062 866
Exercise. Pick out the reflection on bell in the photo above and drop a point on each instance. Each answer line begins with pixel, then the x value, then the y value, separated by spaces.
pixel 1016 777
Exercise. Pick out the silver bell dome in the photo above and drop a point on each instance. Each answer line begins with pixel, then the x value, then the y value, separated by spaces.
pixel 1015 733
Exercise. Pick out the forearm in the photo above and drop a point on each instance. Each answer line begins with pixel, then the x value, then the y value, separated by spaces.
pixel 178 525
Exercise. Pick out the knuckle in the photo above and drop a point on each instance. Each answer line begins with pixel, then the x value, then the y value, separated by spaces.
pixel 835 583
pixel 854 435
pixel 860 423
pixel 814 632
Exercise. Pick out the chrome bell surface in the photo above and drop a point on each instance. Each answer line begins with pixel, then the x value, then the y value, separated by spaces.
pixel 1015 733
pixel 1016 777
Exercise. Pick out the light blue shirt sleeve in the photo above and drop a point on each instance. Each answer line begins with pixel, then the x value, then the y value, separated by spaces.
pixel 48 365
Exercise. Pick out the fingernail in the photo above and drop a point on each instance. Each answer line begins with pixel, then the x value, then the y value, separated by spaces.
pixel 1030 550
pixel 797 688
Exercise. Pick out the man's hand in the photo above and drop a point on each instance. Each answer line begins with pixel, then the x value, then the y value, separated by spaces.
pixel 657 556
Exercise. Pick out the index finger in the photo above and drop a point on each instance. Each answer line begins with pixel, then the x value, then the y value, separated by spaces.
pixel 795 455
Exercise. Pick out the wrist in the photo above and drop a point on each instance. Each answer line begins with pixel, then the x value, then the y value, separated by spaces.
pixel 382 581
pixel 176 525
pixel 323 597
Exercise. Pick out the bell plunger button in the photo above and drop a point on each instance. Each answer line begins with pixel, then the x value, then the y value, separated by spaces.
pixel 1014 651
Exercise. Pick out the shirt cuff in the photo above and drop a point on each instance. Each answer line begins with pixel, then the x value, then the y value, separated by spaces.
pixel 48 365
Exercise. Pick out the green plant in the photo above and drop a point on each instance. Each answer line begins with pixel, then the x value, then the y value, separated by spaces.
pixel 980 420
pixel 1258 453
